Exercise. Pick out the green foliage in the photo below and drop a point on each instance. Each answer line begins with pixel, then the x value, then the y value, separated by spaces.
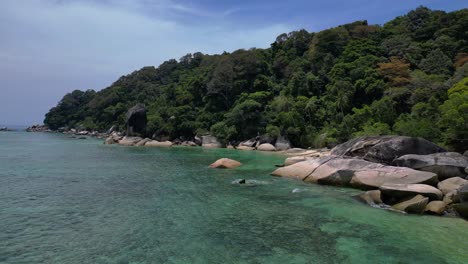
pixel 317 89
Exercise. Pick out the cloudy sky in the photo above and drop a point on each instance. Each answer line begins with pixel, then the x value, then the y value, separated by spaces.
pixel 51 47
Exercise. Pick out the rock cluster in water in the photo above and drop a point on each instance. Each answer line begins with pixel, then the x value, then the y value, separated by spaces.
pixel 406 174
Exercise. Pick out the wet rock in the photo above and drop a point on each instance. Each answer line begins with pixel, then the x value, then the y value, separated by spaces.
pixel 445 165
pixel 401 191
pixel 266 147
pixel 352 172
pixel 451 184
pixel 384 149
pixel 415 205
pixel 225 163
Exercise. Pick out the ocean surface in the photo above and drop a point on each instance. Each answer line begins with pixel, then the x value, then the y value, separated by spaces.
pixel 64 200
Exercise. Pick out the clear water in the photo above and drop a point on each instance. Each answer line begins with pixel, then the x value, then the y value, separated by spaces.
pixel 66 200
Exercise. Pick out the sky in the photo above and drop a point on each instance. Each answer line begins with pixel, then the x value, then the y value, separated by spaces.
pixel 51 47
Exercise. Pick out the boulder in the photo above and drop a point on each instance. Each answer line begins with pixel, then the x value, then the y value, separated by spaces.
pixel 352 172
pixel 189 144
pixel 401 191
pixel 451 184
pixel 155 143
pixel 384 149
pixel 265 139
pixel 461 209
pixel 198 140
pixel 225 163
pixel 465 153
pixel 136 120
pixel 282 143
pixel 129 141
pixel 435 207
pixel 415 205
pixel 110 141
pixel 451 197
pixel 292 160
pixel 210 142
pixel 142 142
pixel 266 147
pixel 294 151
pixel 371 197
pixel 248 143
pixel 445 164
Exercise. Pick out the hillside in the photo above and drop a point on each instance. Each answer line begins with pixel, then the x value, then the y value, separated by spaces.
pixel 407 77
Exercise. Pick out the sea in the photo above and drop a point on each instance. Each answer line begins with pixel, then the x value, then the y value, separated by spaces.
pixel 68 200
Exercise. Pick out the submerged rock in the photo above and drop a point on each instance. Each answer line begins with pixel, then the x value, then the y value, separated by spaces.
pixel 384 149
pixel 415 205
pixel 445 165
pixel 225 163
pixel 406 190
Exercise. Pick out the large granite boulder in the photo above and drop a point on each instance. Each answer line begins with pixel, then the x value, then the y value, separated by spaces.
pixel 451 184
pixel 384 149
pixel 445 164
pixel 415 205
pixel 225 163
pixel 293 160
pixel 129 141
pixel 435 207
pixel 401 191
pixel 266 147
pixel 136 120
pixel 353 172
pixel 282 143
pixel 155 143
pixel 210 142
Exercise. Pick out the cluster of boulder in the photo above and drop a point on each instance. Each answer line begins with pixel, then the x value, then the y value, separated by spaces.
pixel 38 128
pixel 263 143
pixel 407 174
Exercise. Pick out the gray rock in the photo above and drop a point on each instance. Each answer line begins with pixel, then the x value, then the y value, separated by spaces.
pixel 249 143
pixel 282 143
pixel 136 120
pixel 446 164
pixel 384 149
pixel 210 142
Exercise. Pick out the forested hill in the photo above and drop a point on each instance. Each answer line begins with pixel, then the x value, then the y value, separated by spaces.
pixel 407 77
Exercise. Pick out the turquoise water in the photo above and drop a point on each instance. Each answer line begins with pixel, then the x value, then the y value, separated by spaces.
pixel 66 200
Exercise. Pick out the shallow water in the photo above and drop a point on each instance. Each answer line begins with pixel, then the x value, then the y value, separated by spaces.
pixel 66 200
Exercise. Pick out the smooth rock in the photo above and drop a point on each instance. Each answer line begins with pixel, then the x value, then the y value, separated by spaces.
pixel 155 143
pixel 384 149
pixel 129 141
pixel 225 163
pixel 248 143
pixel 445 165
pixel 415 205
pixel 300 170
pixel 435 207
pixel 189 144
pixel 451 197
pixel 266 147
pixel 292 160
pixel 405 190
pixel 451 184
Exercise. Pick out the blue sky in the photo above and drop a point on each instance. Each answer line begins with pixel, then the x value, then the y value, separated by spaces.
pixel 51 47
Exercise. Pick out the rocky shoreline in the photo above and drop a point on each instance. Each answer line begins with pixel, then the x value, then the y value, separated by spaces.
pixel 404 174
